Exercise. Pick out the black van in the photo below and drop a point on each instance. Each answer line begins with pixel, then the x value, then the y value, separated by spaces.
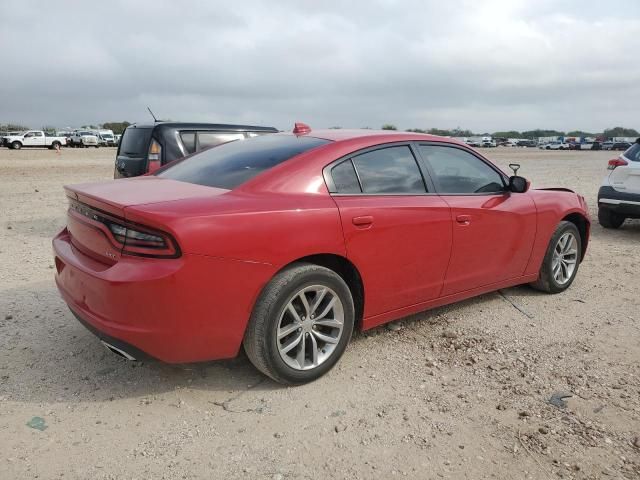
pixel 146 147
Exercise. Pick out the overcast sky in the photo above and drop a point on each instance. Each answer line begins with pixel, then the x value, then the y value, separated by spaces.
pixel 482 65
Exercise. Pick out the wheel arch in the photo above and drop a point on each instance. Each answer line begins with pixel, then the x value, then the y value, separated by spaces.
pixel 583 225
pixel 347 271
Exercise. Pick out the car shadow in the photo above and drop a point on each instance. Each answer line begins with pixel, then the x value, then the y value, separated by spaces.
pixel 48 356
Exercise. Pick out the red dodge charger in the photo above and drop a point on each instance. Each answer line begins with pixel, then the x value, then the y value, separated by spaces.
pixel 285 243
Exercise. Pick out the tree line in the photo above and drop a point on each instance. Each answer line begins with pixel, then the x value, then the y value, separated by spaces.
pixel 531 134
pixel 119 127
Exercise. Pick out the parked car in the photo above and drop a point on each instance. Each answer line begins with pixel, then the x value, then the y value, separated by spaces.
pixel 5 136
pixel 620 146
pixel 84 139
pixel 285 243
pixel 488 144
pixel 106 138
pixel 145 148
pixel 526 143
pixel 555 146
pixel 607 145
pixel 117 139
pixel 619 195
pixel 34 139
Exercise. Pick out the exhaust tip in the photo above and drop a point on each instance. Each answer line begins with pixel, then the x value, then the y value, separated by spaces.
pixel 118 351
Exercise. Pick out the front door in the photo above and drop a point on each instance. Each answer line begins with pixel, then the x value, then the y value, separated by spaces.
pixel 493 229
pixel 33 139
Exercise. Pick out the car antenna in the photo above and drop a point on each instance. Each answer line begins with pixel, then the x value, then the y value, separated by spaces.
pixel 154 117
pixel 515 167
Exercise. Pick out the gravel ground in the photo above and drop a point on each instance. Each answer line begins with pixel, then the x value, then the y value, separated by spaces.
pixel 456 392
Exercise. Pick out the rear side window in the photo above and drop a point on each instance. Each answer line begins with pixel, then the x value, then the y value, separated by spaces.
pixel 344 178
pixel 211 139
pixel 189 141
pixel 135 142
pixel 389 170
pixel 231 164
pixel 633 152
pixel 459 172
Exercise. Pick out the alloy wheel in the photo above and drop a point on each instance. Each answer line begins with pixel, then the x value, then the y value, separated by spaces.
pixel 310 327
pixel 565 258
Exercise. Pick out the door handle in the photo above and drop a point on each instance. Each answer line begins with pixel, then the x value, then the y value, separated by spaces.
pixel 463 219
pixel 363 221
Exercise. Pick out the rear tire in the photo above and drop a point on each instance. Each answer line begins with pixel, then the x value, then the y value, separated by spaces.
pixel 560 264
pixel 609 219
pixel 301 355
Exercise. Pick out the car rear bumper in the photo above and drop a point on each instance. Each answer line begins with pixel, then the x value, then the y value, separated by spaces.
pixel 189 309
pixel 624 203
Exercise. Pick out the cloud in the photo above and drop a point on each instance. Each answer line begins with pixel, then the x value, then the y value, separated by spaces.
pixel 480 65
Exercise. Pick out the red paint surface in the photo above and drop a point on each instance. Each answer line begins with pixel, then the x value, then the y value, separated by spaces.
pixel 412 252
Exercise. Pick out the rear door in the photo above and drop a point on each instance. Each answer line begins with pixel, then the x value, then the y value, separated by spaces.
pixel 396 231
pixel 493 229
pixel 626 178
pixel 131 159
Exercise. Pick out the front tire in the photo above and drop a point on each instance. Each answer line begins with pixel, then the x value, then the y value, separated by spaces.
pixel 16 145
pixel 609 219
pixel 300 325
pixel 561 262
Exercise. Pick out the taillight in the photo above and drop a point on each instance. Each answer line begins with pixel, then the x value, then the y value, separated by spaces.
pixel 616 162
pixel 154 156
pixel 142 241
pixel 130 238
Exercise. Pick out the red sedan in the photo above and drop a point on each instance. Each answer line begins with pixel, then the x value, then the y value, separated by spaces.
pixel 285 243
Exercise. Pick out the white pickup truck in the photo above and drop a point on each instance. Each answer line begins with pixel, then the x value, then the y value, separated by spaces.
pixel 34 138
pixel 84 139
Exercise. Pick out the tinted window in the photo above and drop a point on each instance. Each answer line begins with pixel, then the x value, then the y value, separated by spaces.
pixel 457 171
pixel 389 170
pixel 233 163
pixel 344 178
pixel 189 141
pixel 633 153
pixel 135 142
pixel 211 139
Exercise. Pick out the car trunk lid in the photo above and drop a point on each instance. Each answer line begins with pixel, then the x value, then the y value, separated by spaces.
pixel 96 210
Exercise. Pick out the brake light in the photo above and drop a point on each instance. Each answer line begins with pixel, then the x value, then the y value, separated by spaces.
pixel 616 162
pixel 130 238
pixel 154 156
pixel 142 241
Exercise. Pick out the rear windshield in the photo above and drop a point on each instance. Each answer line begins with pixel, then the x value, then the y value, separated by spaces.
pixel 231 164
pixel 633 152
pixel 135 142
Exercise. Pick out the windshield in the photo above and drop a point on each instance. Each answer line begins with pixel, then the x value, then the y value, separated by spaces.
pixel 135 142
pixel 231 164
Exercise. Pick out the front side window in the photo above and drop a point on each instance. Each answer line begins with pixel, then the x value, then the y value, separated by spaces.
pixel 459 172
pixel 389 170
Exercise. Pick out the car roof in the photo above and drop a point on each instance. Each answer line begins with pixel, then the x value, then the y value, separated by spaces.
pixel 208 126
pixel 377 136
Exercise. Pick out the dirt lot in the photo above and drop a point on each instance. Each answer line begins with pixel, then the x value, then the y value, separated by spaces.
pixel 457 392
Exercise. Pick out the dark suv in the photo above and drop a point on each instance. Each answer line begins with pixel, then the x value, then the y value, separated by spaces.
pixel 145 148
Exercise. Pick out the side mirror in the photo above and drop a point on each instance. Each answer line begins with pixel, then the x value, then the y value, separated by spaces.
pixel 518 184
